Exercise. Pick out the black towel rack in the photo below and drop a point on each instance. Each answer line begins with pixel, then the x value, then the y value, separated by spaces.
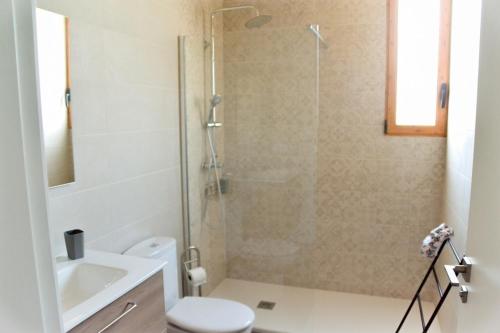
pixel 464 267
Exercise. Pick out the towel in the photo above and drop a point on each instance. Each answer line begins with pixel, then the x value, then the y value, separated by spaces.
pixel 433 241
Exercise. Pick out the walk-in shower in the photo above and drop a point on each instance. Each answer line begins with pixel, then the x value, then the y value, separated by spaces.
pixel 293 188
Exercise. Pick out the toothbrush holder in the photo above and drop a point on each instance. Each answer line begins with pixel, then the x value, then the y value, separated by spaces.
pixel 74 243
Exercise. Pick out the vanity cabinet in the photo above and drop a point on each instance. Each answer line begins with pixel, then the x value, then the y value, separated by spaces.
pixel 140 310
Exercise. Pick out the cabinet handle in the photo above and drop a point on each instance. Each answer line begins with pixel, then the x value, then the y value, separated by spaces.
pixel 128 308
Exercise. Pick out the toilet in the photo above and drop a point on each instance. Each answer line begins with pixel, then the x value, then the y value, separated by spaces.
pixel 192 314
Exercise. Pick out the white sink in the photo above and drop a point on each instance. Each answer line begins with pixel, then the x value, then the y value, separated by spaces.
pixel 79 282
pixel 89 284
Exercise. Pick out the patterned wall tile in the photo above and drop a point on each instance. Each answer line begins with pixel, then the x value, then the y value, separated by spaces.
pixel 311 167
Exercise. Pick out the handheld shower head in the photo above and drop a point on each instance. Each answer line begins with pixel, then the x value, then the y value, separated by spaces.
pixel 216 100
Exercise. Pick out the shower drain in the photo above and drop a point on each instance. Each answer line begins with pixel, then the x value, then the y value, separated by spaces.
pixel 266 305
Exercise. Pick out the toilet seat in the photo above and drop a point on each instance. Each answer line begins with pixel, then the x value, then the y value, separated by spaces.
pixel 210 315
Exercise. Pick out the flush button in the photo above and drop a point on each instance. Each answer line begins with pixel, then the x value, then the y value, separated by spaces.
pixel 153 245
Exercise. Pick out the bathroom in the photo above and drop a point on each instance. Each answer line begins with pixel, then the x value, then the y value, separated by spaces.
pixel 265 134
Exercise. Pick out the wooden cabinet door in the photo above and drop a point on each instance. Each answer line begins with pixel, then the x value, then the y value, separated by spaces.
pixel 142 310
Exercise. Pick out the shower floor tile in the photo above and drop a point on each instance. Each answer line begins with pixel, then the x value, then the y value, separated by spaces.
pixel 301 310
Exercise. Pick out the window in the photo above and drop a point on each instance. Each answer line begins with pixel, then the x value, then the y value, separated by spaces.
pixel 418 67
pixel 52 34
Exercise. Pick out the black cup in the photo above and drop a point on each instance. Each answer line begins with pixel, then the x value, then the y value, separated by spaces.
pixel 74 243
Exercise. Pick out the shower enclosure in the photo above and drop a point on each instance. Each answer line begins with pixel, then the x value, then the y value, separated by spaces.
pixel 251 148
pixel 270 131
pixel 292 181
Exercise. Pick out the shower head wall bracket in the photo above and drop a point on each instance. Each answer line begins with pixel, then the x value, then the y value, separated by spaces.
pixel 314 28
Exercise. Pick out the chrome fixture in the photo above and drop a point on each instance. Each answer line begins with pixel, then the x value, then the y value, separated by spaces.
pixel 258 21
pixel 464 294
pixel 210 165
pixel 465 268
pixel 314 28
pixel 189 262
pixel 186 218
pixel 128 308
pixel 214 101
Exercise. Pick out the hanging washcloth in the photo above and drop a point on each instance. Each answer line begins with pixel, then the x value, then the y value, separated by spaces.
pixel 433 241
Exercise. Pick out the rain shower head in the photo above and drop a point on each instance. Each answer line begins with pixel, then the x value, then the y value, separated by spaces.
pixel 258 21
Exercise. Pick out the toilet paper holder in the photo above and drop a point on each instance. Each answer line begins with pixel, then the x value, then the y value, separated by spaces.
pixel 190 262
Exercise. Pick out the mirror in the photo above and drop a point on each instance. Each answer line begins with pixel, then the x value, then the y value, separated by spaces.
pixel 55 95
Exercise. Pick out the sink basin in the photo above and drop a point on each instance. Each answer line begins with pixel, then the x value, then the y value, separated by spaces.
pixel 81 281
pixel 90 284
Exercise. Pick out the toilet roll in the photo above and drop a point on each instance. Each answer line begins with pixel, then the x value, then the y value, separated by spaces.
pixel 197 276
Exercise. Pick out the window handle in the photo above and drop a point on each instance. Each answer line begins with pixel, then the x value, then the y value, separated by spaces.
pixel 444 95
pixel 67 97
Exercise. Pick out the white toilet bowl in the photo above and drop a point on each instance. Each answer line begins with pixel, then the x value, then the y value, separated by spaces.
pixel 173 329
pixel 210 315
pixel 192 314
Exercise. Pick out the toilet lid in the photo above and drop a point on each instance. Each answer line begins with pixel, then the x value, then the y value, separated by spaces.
pixel 210 315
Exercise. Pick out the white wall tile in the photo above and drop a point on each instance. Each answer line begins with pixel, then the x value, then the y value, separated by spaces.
pixel 131 234
pixel 133 107
pixel 90 104
pixel 133 154
pixel 134 199
pixel 125 104
pixel 87 210
pixel 92 167
pixel 134 61
pixel 87 59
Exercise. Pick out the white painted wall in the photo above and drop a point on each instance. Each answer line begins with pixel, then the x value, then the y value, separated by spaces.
pixel 27 290
pixel 466 24
pixel 125 105
pixel 127 143
pixel 480 314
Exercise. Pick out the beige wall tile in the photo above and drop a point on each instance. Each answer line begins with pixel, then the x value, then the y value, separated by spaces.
pixel 359 202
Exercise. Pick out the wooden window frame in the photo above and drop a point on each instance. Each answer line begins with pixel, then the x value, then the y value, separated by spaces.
pixel 440 128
